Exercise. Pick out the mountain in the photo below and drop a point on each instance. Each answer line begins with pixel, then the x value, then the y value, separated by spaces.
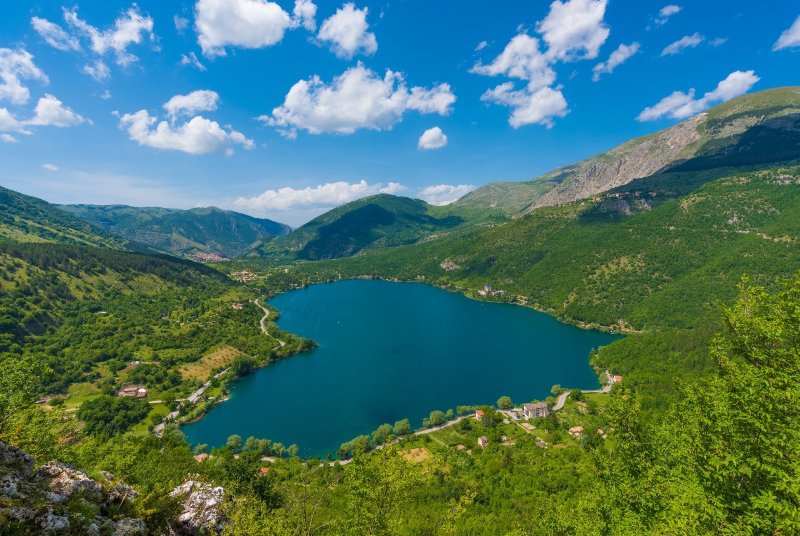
pixel 200 232
pixel 372 222
pixel 758 128
pixel 28 219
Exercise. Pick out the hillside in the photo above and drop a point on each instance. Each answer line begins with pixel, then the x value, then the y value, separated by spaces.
pixel 210 231
pixel 28 219
pixel 372 222
pixel 757 128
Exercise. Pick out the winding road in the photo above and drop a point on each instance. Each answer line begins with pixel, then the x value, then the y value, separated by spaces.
pixel 263 322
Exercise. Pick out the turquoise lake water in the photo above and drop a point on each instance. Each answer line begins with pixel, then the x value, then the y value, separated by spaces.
pixel 389 351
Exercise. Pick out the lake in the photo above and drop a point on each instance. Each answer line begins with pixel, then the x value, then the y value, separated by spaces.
pixel 389 351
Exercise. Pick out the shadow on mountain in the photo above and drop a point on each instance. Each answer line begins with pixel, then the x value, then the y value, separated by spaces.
pixel 370 226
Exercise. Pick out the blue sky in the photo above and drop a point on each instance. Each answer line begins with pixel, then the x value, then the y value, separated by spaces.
pixel 284 110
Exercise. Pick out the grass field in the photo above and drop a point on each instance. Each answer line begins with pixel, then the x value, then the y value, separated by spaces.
pixel 216 360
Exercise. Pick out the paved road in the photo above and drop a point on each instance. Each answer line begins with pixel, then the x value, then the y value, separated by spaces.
pixel 562 398
pixel 263 321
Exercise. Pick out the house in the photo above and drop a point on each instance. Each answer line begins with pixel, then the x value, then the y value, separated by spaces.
pixel 540 443
pixel 132 391
pixel 237 306
pixel 483 441
pixel 263 471
pixel 532 411
pixel 617 378
pixel 479 414
pixel 576 431
pixel 200 458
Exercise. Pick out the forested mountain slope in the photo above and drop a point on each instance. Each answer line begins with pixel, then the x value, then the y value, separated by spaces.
pixel 28 219
pixel 372 222
pixel 758 128
pixel 182 232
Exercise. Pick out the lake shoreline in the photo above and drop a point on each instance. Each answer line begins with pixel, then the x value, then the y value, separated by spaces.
pixel 507 320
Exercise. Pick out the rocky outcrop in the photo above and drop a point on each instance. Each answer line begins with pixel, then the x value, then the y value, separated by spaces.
pixel 634 160
pixel 201 504
pixel 58 499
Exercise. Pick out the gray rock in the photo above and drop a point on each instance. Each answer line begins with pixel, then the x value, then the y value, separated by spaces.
pixel 16 460
pixel 201 507
pixel 64 480
pixel 129 527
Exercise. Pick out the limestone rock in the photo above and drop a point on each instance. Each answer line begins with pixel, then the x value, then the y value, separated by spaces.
pixel 201 507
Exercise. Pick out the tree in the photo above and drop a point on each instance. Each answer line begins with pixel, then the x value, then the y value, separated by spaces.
pixel 436 418
pixel 234 442
pixel 381 434
pixel 556 389
pixel 293 450
pixel 402 427
pixel 504 402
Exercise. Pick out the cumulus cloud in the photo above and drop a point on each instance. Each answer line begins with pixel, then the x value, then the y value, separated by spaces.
pixel 346 31
pixel 666 12
pixel 197 135
pixel 574 29
pixel 54 35
pixel 433 138
pixel 197 101
pixel 305 14
pixel 9 123
pixel 521 58
pixel 97 70
pixel 131 28
pixel 687 41
pixel 8 138
pixel 191 59
pixel 323 196
pixel 617 58
pixel 680 105
pixel 239 23
pixel 15 66
pixel 357 99
pixel 790 37
pixel 50 167
pixel 444 194
pixel 481 46
pixel 51 112
pixel 529 107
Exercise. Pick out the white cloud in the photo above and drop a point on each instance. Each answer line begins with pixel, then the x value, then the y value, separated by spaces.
pixel 55 35
pixel 181 23
pixel 196 101
pixel 521 58
pixel 356 99
pixel 718 41
pixel 198 135
pixel 305 14
pixel 539 106
pixel 347 32
pixel 9 123
pixel 687 41
pixel 15 66
pixel 106 95
pixel 323 196
pixel 51 112
pixel 191 59
pixel 617 58
pixel 574 29
pixel 666 12
pixel 8 138
pixel 444 194
pixel 481 46
pixel 433 138
pixel 129 29
pixel 50 167
pixel 97 70
pixel 239 23
pixel 790 37
pixel 680 105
